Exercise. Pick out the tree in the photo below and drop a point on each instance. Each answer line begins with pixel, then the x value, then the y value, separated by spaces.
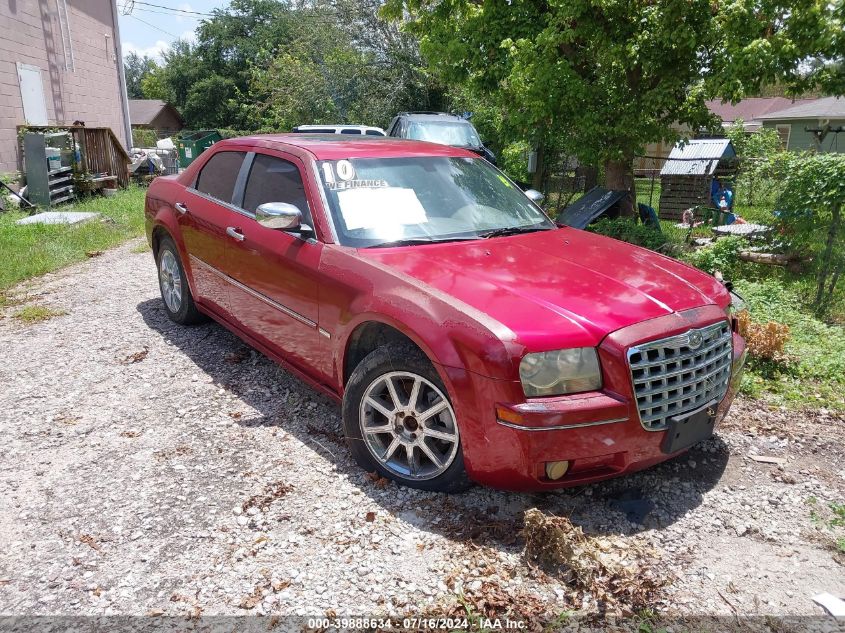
pixel 607 77
pixel 137 68
pixel 759 144
pixel 755 150
pixel 212 102
pixel 268 64
pixel 810 218
pixel 172 81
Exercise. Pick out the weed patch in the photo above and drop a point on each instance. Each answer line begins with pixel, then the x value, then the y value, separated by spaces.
pixel 808 368
pixel 37 314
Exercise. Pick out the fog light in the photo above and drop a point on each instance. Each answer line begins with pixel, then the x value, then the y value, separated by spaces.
pixel 556 470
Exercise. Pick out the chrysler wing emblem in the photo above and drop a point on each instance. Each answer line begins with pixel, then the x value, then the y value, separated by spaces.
pixel 694 339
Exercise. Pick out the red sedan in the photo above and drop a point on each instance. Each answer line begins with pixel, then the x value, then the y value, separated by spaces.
pixel 468 337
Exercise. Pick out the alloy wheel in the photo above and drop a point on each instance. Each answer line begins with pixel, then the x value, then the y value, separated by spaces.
pixel 170 280
pixel 409 425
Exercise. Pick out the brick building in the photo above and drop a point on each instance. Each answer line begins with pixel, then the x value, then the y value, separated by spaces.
pixel 60 62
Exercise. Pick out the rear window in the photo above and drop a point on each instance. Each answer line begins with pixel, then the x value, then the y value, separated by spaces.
pixel 217 177
pixel 455 133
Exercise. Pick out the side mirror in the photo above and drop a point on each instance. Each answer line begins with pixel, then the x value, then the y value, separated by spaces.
pixel 535 196
pixel 279 215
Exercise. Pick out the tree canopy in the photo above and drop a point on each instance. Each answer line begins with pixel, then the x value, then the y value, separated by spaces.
pixel 266 64
pixel 137 67
pixel 606 77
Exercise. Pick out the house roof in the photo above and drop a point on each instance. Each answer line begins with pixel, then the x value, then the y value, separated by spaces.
pixel 144 111
pixel 752 108
pixel 824 108
pixel 697 157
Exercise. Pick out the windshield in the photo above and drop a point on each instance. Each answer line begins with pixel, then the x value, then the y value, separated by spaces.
pixel 455 133
pixel 378 201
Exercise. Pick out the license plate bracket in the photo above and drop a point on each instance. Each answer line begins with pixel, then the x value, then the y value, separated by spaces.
pixel 684 431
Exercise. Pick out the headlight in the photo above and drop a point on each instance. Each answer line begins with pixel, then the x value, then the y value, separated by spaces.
pixel 560 372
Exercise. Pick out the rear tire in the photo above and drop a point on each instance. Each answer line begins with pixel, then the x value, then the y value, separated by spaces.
pixel 399 422
pixel 173 284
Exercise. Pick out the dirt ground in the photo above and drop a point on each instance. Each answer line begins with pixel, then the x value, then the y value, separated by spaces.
pixel 148 468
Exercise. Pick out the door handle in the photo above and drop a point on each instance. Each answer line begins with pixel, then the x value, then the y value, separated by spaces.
pixel 235 233
pixel 181 208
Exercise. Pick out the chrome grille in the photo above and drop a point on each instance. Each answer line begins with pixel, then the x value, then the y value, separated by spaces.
pixel 681 373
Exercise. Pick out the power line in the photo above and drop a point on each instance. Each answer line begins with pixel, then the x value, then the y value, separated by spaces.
pixel 175 10
pixel 163 12
pixel 153 26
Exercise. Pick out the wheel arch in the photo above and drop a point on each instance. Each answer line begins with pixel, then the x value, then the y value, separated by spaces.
pixel 162 230
pixel 368 336
pixel 159 232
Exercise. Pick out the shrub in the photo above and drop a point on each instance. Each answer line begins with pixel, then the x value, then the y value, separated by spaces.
pixel 754 150
pixel 721 257
pixel 143 138
pixel 765 341
pixel 231 133
pixel 631 231
pixel 513 160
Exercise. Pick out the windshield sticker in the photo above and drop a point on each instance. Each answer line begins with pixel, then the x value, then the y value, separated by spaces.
pixel 505 181
pixel 345 170
pixel 357 184
pixel 366 208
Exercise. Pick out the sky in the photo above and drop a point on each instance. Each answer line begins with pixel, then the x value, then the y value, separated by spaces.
pixel 148 27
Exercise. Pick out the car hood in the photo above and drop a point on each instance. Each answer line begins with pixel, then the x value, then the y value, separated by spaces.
pixel 555 289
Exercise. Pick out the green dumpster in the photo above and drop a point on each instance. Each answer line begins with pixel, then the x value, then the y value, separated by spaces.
pixel 192 144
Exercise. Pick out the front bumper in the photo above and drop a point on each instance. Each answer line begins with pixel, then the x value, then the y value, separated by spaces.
pixel 508 441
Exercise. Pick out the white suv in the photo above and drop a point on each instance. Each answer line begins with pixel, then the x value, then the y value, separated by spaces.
pixel 340 129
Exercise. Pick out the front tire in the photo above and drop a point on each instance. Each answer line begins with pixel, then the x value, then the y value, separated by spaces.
pixel 173 283
pixel 399 421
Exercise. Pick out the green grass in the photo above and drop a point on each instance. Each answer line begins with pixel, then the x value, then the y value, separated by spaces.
pixel 32 250
pixel 815 372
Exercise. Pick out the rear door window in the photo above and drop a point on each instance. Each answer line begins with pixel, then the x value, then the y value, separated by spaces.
pixel 273 179
pixel 218 176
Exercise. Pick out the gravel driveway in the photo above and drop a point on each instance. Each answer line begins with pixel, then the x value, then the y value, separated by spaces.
pixel 151 468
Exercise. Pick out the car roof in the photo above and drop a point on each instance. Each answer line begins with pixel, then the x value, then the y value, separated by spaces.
pixel 335 146
pixel 428 116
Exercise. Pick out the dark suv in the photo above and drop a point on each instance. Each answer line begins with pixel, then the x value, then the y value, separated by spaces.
pixel 439 127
